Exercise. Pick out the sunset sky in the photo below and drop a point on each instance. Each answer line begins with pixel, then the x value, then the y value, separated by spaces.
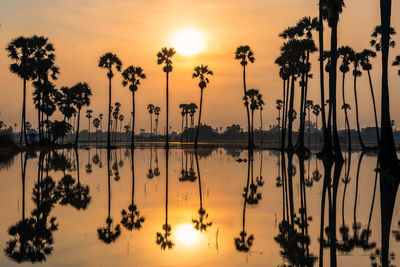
pixel 136 30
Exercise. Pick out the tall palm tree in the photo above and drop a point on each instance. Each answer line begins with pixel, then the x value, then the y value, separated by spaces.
pixel 20 52
pixel 255 98
pixel 202 72
pixel 89 116
pixel 121 118
pixel 331 11
pixel 108 61
pixel 365 63
pixel 183 108
pixel 279 105
pixel 132 76
pixel 150 109
pixel 96 124
pixel 244 54
pixel 82 93
pixel 346 53
pixel 157 113
pixel 165 57
pixel 44 70
pixel 356 57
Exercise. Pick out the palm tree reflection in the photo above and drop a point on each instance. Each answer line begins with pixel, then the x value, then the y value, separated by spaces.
pixel 107 234
pixel 132 219
pixel 163 239
pixel 201 224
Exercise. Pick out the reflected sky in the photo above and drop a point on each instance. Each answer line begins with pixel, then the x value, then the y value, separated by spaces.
pixel 215 207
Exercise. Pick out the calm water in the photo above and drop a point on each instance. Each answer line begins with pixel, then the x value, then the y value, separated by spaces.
pixel 68 208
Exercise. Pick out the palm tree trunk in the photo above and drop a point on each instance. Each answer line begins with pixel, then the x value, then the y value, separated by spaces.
pixel 133 120
pixel 23 126
pixel 373 102
pixel 198 124
pixel 77 127
pixel 285 111
pixel 182 129
pixel 252 125
pixel 89 132
pixel 357 119
pixel 261 122
pixel 250 141
pixel 282 134
pixel 290 126
pixel 345 113
pixel 109 113
pixel 167 125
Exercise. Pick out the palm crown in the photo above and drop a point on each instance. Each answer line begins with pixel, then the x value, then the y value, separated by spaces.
pixel 82 94
pixel 165 57
pixel 20 51
pixel 244 53
pixel 107 61
pixel 376 35
pixel 202 72
pixel 133 76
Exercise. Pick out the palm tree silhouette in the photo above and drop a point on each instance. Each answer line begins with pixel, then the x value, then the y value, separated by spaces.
pixel 244 54
pixel 150 109
pixel 346 53
pixel 279 105
pixel 107 61
pixel 82 93
pixel 131 218
pixel 107 234
pixel 356 58
pixel 20 52
pixel 256 102
pixel 157 113
pixel 184 112
pixel 202 72
pixel 396 63
pixel 133 76
pixel 44 71
pixel 165 57
pixel 121 118
pixel 150 173
pixel 163 239
pixel 115 115
pixel 89 116
pixel 201 224
pixel 365 63
pixel 96 124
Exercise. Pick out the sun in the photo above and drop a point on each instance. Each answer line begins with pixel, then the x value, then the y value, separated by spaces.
pixel 187 235
pixel 189 42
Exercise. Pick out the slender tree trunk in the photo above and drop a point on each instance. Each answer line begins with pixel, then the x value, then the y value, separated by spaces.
pixel 246 103
pixel 357 119
pixel 282 134
pixel 261 122
pixel 133 121
pixel 345 113
pixel 198 124
pixel 23 126
pixel 89 132
pixel 285 111
pixel 109 114
pixel 167 125
pixel 373 102
pixel 300 138
pixel 290 126
pixel 77 127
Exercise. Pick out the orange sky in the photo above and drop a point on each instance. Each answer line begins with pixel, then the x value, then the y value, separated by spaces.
pixel 136 30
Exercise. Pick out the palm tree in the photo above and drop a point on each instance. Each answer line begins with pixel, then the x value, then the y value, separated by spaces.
pixel 346 53
pixel 20 52
pixel 377 40
pixel 121 119
pixel 89 116
pixel 202 72
pixel 366 65
pixel 82 93
pixel 255 99
pixel 244 54
pixel 165 57
pixel 331 12
pixel 184 108
pixel 192 111
pixel 396 63
pixel 279 105
pixel 96 124
pixel 107 61
pixel 101 122
pixel 44 71
pixel 150 109
pixel 157 113
pixel 356 57
pixel 133 76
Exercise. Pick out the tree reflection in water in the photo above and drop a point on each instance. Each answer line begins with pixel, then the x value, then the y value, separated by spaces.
pixel 107 234
pixel 163 239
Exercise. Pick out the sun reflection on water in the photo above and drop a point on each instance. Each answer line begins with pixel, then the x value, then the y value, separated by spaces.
pixel 186 235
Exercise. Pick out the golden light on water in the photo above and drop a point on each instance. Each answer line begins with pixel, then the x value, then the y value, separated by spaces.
pixel 187 235
pixel 189 42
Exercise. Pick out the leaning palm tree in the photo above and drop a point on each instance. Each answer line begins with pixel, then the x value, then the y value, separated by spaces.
pixel 20 52
pixel 202 72
pixel 245 54
pixel 82 94
pixel 132 76
pixel 150 109
pixel 365 63
pixel 89 116
pixel 346 53
pixel 107 61
pixel 165 57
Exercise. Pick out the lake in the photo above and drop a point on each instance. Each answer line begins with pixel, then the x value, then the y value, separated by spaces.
pixel 216 207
